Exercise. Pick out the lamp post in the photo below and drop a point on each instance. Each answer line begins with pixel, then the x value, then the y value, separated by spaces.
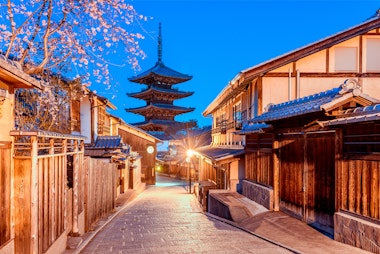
pixel 189 154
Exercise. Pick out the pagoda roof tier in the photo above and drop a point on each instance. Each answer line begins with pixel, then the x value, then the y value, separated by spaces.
pixel 164 125
pixel 157 109
pixel 157 92
pixel 160 74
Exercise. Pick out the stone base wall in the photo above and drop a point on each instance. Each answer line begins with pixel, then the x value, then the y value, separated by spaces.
pixel 258 193
pixel 59 246
pixel 217 207
pixel 357 232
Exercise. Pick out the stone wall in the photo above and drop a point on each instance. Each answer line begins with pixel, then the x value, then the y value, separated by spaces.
pixel 217 207
pixel 258 193
pixel 357 232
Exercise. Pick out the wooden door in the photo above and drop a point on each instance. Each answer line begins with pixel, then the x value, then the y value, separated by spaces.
pixel 320 180
pixel 291 152
pixel 307 177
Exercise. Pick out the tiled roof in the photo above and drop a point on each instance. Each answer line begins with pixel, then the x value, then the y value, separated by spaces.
pixel 309 104
pixel 160 70
pixel 163 123
pixel 160 106
pixel 251 128
pixel 179 94
pixel 326 100
pixel 357 115
pixel 108 142
pixel 106 146
pixel 219 153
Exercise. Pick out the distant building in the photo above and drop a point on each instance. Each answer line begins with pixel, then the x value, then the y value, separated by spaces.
pixel 160 111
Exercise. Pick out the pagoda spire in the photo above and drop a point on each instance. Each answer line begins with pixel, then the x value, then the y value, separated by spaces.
pixel 159 43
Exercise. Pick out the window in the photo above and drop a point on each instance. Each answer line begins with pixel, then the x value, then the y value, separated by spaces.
pixel 346 59
pixel 373 55
pixel 237 115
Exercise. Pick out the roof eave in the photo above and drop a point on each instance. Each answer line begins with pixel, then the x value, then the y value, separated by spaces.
pixel 254 72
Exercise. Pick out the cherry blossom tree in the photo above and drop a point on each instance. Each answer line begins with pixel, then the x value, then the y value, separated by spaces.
pixel 70 37
pixel 67 44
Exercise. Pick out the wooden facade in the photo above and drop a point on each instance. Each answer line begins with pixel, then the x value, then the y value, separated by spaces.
pixel 319 168
pixel 140 141
pixel 359 170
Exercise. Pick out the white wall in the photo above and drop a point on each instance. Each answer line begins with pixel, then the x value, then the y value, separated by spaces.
pixel 85 119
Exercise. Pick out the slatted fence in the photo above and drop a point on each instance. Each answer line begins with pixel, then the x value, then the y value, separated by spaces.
pixel 100 182
pixel 40 188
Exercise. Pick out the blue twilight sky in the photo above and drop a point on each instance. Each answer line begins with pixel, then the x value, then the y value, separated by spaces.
pixel 213 40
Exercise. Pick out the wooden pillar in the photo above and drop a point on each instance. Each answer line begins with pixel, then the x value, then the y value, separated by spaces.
pixel 305 170
pixel 276 176
pixel 64 177
pixel 52 189
pixel 34 196
pixel 75 190
pixel 338 168
pixel 12 190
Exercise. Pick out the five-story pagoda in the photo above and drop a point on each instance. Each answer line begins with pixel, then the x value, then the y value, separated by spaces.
pixel 159 95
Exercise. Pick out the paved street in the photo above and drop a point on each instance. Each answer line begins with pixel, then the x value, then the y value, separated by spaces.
pixel 166 219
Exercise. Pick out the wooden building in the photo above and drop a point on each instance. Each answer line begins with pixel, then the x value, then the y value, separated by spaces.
pixel 314 68
pixel 145 145
pixel 94 119
pixel 159 111
pixel 295 164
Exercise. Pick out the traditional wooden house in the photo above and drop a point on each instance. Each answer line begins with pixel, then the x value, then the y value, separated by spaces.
pixel 11 78
pixel 145 145
pixel 94 119
pixel 296 164
pixel 314 68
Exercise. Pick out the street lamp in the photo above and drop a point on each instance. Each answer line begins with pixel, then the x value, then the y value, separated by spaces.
pixel 189 154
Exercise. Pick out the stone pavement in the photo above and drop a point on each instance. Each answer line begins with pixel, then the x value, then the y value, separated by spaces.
pixel 165 219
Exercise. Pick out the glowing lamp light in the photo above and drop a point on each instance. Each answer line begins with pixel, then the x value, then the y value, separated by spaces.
pixel 189 153
pixel 150 149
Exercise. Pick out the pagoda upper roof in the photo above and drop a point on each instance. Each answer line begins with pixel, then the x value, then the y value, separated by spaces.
pixel 157 106
pixel 164 125
pixel 160 73
pixel 158 91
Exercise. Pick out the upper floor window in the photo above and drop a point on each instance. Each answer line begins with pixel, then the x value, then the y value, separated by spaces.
pixel 346 59
pixel 237 115
pixel 237 112
pixel 373 54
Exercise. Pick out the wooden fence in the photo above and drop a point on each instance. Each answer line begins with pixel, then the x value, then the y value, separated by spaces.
pixel 359 187
pixel 40 187
pixel 100 184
